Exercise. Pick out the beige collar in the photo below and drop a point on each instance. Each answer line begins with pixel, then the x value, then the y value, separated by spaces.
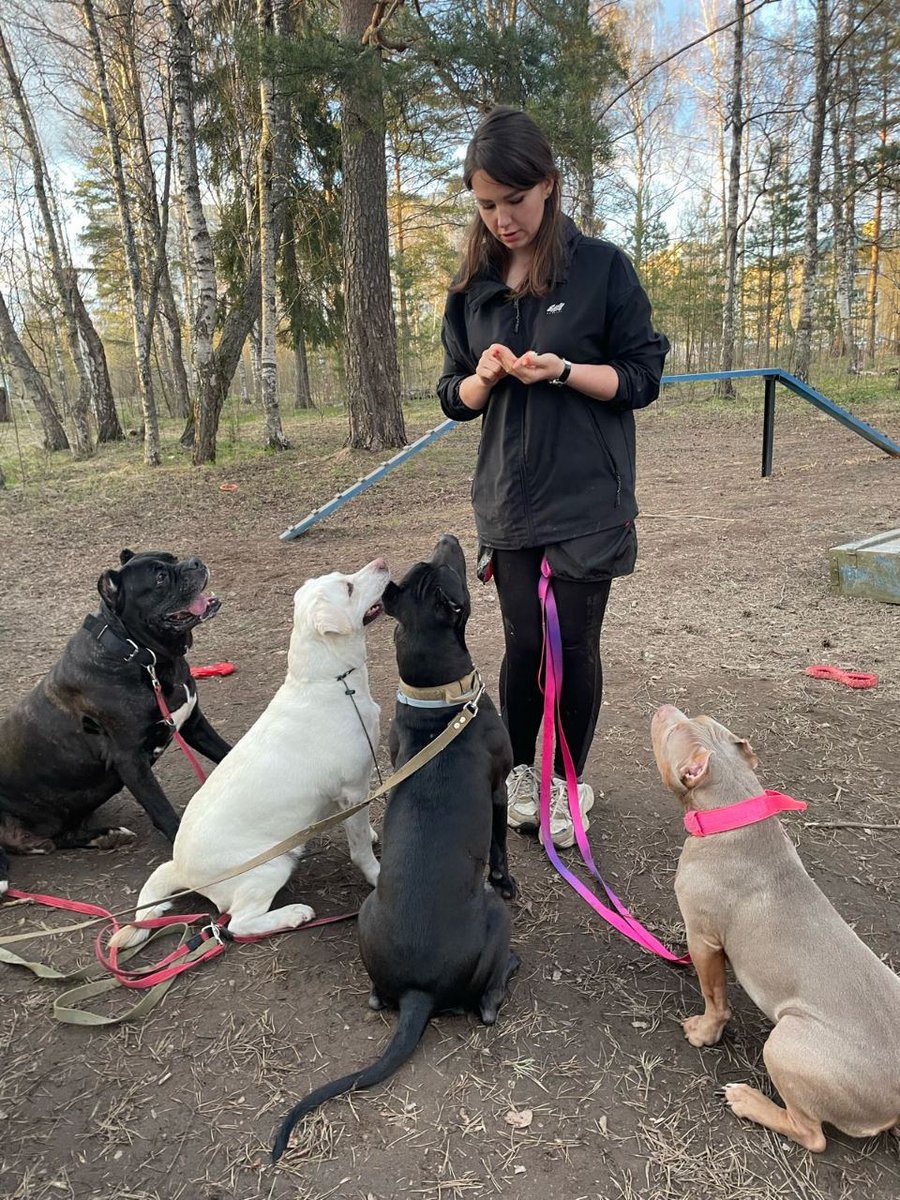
pixel 458 692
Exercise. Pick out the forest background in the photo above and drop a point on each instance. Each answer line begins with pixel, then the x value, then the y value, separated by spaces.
pixel 244 207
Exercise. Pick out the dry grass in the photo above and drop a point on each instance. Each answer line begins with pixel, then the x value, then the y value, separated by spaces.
pixel 722 616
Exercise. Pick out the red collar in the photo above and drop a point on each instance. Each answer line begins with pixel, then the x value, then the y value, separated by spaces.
pixel 703 822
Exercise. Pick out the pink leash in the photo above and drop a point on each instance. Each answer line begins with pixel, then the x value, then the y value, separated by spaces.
pixel 619 916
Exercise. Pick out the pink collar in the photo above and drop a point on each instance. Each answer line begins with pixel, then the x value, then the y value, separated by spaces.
pixel 703 822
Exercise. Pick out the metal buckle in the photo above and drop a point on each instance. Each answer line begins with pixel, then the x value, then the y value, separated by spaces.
pixel 213 931
pixel 135 652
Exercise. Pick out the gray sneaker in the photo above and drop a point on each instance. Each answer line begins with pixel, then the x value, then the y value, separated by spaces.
pixel 522 798
pixel 562 830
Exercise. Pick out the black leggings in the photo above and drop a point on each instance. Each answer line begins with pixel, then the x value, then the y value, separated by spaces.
pixel 581 609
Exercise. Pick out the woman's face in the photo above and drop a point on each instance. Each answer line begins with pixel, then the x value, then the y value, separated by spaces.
pixel 512 215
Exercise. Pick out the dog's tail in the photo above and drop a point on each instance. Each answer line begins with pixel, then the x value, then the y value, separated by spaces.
pixel 415 1010
pixel 163 882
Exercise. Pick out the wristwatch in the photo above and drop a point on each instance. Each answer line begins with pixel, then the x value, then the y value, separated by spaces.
pixel 563 375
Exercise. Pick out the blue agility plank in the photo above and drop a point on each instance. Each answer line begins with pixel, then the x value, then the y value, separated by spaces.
pixel 367 481
pixel 840 414
pixel 427 439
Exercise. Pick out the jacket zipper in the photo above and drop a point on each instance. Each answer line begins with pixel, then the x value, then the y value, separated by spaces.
pixel 612 462
pixel 516 302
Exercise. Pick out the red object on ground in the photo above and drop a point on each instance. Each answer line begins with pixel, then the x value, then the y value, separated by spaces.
pixel 851 679
pixel 222 668
pixel 228 487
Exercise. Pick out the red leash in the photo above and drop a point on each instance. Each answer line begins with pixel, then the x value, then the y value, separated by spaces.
pixel 215 932
pixel 618 916
pixel 170 721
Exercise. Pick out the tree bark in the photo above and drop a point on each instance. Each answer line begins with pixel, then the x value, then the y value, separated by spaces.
pixel 736 122
pixel 206 411
pixel 846 95
pixel 83 444
pixel 810 264
pixel 373 376
pixel 875 251
pixel 32 382
pixel 155 222
pixel 266 199
pixel 142 328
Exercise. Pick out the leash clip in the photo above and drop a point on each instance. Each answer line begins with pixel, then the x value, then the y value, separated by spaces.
pixel 471 706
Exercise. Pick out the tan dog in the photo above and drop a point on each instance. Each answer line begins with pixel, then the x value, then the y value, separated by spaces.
pixel 834 1054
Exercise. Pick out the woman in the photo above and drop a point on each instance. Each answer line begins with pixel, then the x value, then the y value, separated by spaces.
pixel 548 338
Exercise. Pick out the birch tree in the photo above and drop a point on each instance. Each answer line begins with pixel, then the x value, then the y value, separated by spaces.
pixel 33 384
pixel 142 325
pixel 214 365
pixel 810 264
pixel 736 124
pixel 62 276
pixel 266 168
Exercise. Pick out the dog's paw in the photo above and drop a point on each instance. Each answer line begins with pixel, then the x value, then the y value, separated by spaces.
pixel 700 1031
pixel 504 884
pixel 742 1099
pixel 108 839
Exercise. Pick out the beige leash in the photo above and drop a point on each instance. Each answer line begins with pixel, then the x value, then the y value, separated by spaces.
pixel 464 717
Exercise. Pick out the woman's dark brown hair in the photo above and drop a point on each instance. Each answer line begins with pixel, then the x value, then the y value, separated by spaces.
pixel 514 151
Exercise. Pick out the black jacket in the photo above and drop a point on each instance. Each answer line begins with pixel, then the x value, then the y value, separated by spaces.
pixel 554 464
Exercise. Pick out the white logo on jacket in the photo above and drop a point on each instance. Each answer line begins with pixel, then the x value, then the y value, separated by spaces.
pixel 555 308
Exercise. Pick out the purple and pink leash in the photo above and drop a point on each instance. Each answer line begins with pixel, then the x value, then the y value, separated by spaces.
pixel 552 667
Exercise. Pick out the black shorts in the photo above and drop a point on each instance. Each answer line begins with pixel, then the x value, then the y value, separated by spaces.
pixel 590 558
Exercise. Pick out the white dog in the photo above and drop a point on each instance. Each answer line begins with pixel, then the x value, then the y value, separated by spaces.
pixel 305 756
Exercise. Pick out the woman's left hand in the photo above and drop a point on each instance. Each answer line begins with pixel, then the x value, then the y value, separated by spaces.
pixel 531 367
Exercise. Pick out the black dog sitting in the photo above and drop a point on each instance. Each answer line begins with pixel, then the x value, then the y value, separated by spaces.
pixel 93 725
pixel 433 936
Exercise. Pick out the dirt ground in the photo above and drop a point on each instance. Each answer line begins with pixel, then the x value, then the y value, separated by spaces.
pixel 728 605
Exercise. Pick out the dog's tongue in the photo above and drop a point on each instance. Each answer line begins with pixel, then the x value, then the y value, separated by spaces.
pixel 198 606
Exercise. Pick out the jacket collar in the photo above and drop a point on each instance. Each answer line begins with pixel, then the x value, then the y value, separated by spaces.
pixel 487 285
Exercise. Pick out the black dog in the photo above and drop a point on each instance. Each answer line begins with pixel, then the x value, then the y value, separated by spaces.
pixel 433 936
pixel 93 725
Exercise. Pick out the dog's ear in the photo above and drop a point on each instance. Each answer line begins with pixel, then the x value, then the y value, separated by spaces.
pixel 695 768
pixel 126 556
pixel 451 589
pixel 327 617
pixel 108 585
pixel 748 752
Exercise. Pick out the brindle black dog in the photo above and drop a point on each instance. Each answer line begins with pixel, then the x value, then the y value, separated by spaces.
pixel 433 935
pixel 92 725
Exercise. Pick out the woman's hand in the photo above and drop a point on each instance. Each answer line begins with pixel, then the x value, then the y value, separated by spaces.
pixel 494 364
pixel 533 368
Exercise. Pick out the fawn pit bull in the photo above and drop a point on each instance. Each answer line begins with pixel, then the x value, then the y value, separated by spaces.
pixel 834 1054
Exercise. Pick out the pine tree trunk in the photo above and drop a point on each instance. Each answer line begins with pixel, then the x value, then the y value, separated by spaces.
pixel 736 122
pixel 83 446
pixel 810 266
pixel 302 392
pixel 373 377
pixel 5 409
pixel 32 382
pixel 265 172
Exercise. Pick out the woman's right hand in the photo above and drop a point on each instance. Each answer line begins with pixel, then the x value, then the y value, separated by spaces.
pixel 491 369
